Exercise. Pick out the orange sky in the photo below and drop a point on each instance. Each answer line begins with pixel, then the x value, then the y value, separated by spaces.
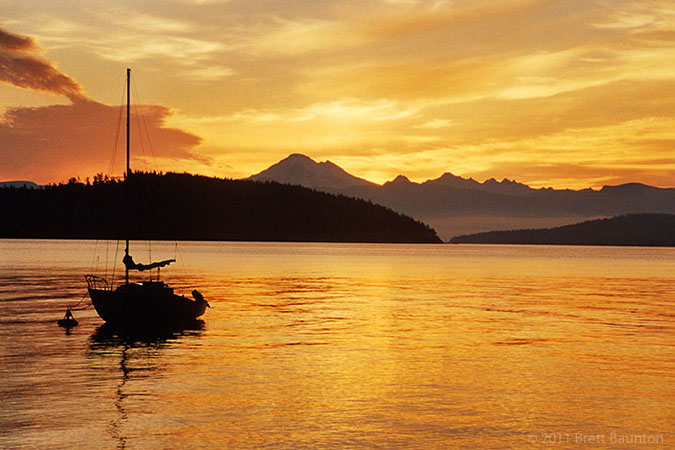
pixel 550 93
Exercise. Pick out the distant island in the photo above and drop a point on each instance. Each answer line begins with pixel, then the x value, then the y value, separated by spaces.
pixel 654 230
pixel 190 207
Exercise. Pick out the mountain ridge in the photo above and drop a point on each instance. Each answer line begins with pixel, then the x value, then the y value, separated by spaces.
pixel 454 205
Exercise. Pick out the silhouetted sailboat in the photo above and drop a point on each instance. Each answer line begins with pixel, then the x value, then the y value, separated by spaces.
pixel 145 303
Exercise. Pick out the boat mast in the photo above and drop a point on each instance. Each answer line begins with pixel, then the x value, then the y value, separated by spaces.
pixel 126 182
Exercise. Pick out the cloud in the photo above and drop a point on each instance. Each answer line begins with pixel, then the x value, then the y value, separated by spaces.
pixel 640 17
pixel 351 109
pixel 20 68
pixel 292 38
pixel 340 124
pixel 15 42
pixel 148 39
pixel 59 141
pixel 345 110
pixel 436 124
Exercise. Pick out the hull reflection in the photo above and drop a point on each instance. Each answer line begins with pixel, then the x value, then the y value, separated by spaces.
pixel 110 334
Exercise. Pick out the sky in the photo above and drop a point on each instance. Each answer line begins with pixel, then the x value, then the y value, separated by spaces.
pixel 564 94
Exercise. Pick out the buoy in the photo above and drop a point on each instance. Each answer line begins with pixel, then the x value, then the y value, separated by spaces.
pixel 68 320
pixel 67 323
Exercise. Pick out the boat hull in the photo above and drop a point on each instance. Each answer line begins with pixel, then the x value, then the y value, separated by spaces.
pixel 138 307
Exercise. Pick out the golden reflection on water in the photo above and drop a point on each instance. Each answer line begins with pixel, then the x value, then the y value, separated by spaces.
pixel 339 346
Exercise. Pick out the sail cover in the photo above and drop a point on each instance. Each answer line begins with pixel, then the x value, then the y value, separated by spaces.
pixel 131 265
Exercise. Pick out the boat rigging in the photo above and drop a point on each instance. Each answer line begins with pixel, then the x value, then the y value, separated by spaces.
pixel 146 303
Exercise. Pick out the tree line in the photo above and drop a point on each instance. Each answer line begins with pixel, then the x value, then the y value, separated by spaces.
pixel 180 206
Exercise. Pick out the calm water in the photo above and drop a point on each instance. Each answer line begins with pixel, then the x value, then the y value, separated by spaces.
pixel 347 346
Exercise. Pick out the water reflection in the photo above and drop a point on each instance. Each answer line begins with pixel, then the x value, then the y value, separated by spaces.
pixel 420 347
pixel 67 329
pixel 136 352
pixel 108 335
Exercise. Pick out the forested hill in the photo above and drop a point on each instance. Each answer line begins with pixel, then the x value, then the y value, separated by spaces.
pixel 631 229
pixel 190 207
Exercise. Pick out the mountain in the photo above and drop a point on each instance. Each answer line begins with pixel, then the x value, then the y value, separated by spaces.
pixel 633 229
pixel 181 206
pixel 303 171
pixel 455 206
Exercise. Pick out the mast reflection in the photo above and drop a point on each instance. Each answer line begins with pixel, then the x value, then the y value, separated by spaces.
pixel 138 352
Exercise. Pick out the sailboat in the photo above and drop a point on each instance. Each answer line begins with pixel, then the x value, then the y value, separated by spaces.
pixel 144 303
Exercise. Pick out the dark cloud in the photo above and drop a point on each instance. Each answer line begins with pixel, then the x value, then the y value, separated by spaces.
pixel 11 41
pixel 20 68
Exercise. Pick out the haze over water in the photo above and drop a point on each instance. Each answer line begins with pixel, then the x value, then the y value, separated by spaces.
pixel 347 346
